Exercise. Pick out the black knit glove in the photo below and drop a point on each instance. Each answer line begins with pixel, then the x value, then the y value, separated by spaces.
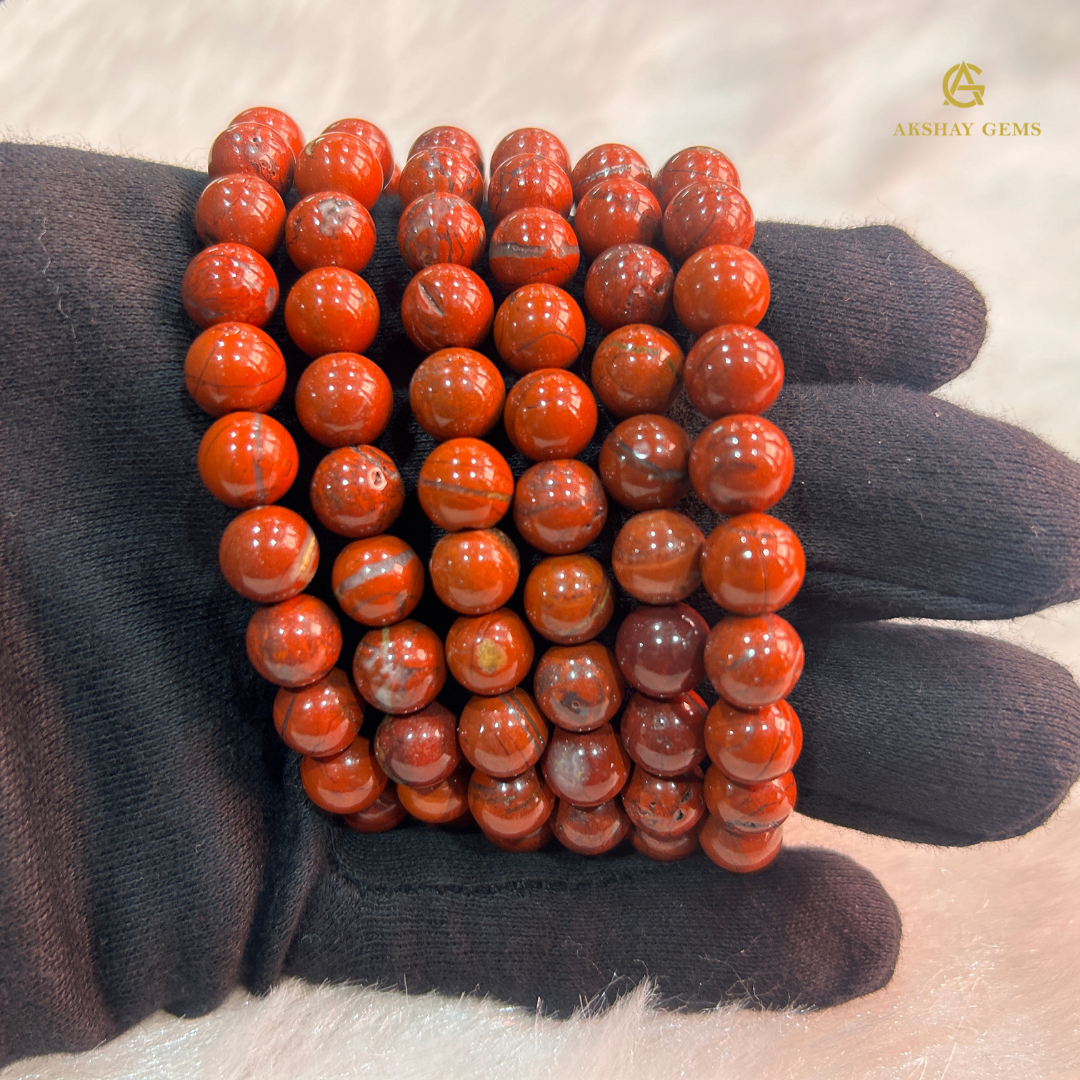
pixel 155 845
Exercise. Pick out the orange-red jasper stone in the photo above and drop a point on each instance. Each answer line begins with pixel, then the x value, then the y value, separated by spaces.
pixel 752 563
pixel 636 369
pixel 357 491
pixel 340 161
pixel 559 506
pixel 590 830
pixel 399 668
pixel 420 749
pixel 753 746
pixel 550 413
pixel 568 598
pixel 268 554
pixel 234 366
pixel 444 802
pixel 489 654
pixel 721 284
pixel 733 369
pixel 689 166
pixel 343 399
pixel 665 850
pixel 475 571
pixel 254 150
pixel 738 852
pixel 745 808
pixel 665 737
pixel 456 393
pixel 440 168
pixel 706 213
pixel 229 283
pixel 533 246
pixel 241 210
pixel 320 719
pixel 345 783
pixel 502 735
pixel 663 807
pixel 247 459
pixel 294 643
pixel 330 310
pixel 644 462
pixel 537 840
pixel 579 687
pixel 629 283
pixel 531 140
pixel 608 160
pixel 753 661
pixel 440 228
pixel 377 580
pixel 657 557
pixel 446 305
pixel 465 484
pixel 528 180
pixel 616 211
pixel 510 808
pixel 374 136
pixel 280 121
pixel 539 326
pixel 454 137
pixel 740 463
pixel 586 768
pixel 329 229
pixel 380 816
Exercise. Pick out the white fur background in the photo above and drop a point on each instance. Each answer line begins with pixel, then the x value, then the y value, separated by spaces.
pixel 805 99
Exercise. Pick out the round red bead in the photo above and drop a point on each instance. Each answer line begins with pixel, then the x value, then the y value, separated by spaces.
pixel 657 556
pixel 241 210
pixel 375 138
pixel 665 737
pixel 440 168
pixel 689 166
pixel 446 305
pixel 380 816
pixel 533 246
pixel 377 580
pixel 753 746
pixel 753 661
pixel 590 830
pixel 329 229
pixel 229 283
pixel 268 554
pixel 510 808
pixel 456 393
pixel 644 462
pixel 475 571
pixel 528 180
pixel 665 850
pixel 247 459
pixel 629 283
pixel 550 413
pixel 752 563
pixel 539 326
pixel 661 650
pixel 437 805
pixel 733 369
pixel 280 121
pixel 568 598
pixel 421 749
pixel 739 853
pixel 534 841
pixel 559 506
pixel 454 137
pixel 440 228
pixel 706 213
pixel 345 783
pixel 294 643
pixel 465 484
pixel 255 150
pixel 578 687
pixel 342 162
pixel 636 369
pixel 741 463
pixel 233 366
pixel 531 140
pixel 357 491
pixel 608 160
pixel 344 399
pixel 489 654
pixel 331 309
pixel 586 768
pixel 747 808
pixel 320 719
pixel 502 735
pixel 399 668
pixel 721 284
pixel 616 211
pixel 663 807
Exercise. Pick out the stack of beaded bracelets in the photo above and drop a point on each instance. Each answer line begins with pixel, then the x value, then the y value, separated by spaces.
pixel 751 564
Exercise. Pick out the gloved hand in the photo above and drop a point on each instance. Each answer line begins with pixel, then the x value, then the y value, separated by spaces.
pixel 155 844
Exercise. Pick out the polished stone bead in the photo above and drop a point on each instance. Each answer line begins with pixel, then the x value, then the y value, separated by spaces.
pixel 489 654
pixel 629 283
pixel 733 369
pixel 738 852
pixel 502 735
pixel 689 166
pixel 719 285
pixel 280 121
pixel 377 580
pixel 442 803
pixel 568 598
pixel 550 414
pixel 268 554
pixel 706 213
pixel 665 737
pixel 456 393
pixel 345 783
pixel 454 137
pixel 294 643
pixel 465 484
pixel 665 850
pixel 753 660
pixel 657 556
pixel 559 506
pixel 510 808
pixel 321 719
pixel 474 571
pixel 579 687
pixel 636 369
pixel 331 310
pixel 644 462
pixel 234 367
pixel 664 807
pixel 374 136
pixel 356 491
pixel 241 210
pixel 586 768
pixel 605 161
pixel 255 150
pixel 247 459
pixel 752 563
pixel 590 830
pixel 399 668
pixel 741 463
pixel 329 229
pixel 421 749
pixel 539 326
pixel 749 808
pixel 446 305
pixel 229 283
pixel 380 816
pixel 616 211
pixel 343 399
pixel 440 168
pixel 753 746
pixel 440 228
pixel 533 246
pixel 537 840
pixel 528 180
pixel 531 140
pixel 340 161
pixel 660 650
pixel 391 187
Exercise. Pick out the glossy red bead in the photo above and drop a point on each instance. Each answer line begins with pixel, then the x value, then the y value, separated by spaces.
pixel 233 366
pixel 689 166
pixel 637 369
pixel 456 393
pixel 606 161
pixel 247 459
pixel 741 463
pixel 528 180
pixel 241 209
pixel 661 650
pixel 465 484
pixel 539 326
pixel 255 150
pixel 330 310
pixel 718 285
pixel 533 246
pixel 345 783
pixel 446 305
pixel 380 816
pixel 752 563
pixel 733 369
pixel 280 121
pixel 665 850
pixel 586 768
pixel 663 807
pixel 320 719
pixel 294 643
pixel 665 738
pixel 421 749
pixel 377 580
pixel 340 161
pixel 440 228
pixel 550 414
pixel 489 654
pixel 510 808
pixel 454 137
pixel 374 136
pixel 531 140
pixel 706 213
pixel 745 808
pixel 268 554
pixel 568 598
pixel 616 211
pixel 343 399
pixel 578 687
pixel 756 745
pixel 440 804
pixel 754 660
pixel 590 830
pixel 399 668
pixel 329 229
pixel 629 283
pixel 357 491
pixel 229 283
pixel 559 506
pixel 644 462
pixel 502 735
pixel 440 168
pixel 739 853
pixel 537 840
pixel 475 571
pixel 657 556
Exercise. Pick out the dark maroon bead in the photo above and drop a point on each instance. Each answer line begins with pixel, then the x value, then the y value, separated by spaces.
pixel 420 750
pixel 665 737
pixel 661 650
pixel 586 768
pixel 590 830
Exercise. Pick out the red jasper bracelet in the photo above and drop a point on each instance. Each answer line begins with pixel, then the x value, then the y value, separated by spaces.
pixel 610 744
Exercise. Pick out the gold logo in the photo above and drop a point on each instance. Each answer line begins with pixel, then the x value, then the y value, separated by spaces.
pixel 951 85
